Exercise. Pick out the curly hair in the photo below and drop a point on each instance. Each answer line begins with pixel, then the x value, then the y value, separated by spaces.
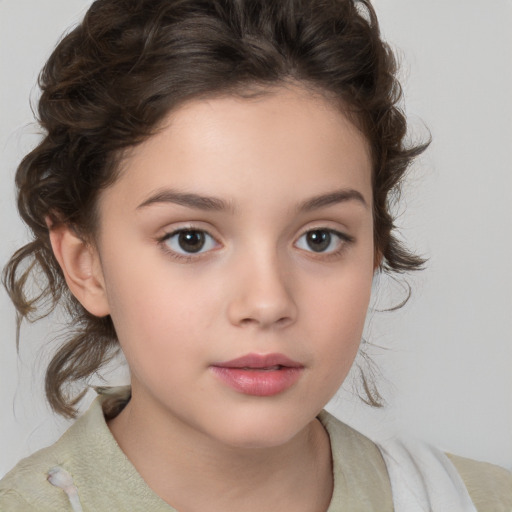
pixel 113 79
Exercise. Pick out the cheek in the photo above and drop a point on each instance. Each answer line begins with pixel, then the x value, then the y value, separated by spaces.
pixel 152 309
pixel 340 309
pixel 163 317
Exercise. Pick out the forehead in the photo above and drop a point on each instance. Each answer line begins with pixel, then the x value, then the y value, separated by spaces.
pixel 228 145
pixel 284 114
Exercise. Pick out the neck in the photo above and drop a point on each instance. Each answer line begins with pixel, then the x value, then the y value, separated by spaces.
pixel 176 460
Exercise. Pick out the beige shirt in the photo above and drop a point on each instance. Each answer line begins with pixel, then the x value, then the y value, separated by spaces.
pixel 107 481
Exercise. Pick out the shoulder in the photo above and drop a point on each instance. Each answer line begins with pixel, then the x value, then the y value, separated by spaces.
pixel 83 461
pixel 361 480
pixel 417 473
pixel 26 486
pixel 489 486
pixel 342 434
pixel 11 501
pixel 352 445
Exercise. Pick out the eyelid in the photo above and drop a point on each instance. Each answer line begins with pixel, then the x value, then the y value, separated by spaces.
pixel 186 256
pixel 343 240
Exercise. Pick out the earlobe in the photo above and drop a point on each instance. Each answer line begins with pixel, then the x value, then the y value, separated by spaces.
pixel 81 267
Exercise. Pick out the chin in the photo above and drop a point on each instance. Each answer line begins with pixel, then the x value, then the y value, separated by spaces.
pixel 260 431
pixel 258 440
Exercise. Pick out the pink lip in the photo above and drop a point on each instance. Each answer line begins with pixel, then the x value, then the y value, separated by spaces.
pixel 259 375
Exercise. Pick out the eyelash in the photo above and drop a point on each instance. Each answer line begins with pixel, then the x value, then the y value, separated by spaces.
pixel 343 240
pixel 185 257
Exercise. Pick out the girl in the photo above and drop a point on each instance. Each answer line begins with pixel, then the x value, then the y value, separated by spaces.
pixel 212 196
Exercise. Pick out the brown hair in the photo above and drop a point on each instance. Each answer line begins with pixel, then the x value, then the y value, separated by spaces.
pixel 113 79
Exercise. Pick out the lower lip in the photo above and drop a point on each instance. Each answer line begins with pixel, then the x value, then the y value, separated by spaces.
pixel 258 382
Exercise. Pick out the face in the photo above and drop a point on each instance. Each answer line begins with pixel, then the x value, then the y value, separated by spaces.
pixel 236 252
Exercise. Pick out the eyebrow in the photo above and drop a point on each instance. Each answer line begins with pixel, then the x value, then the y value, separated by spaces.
pixel 209 203
pixel 188 199
pixel 331 198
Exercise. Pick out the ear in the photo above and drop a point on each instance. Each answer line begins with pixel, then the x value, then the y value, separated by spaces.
pixel 81 267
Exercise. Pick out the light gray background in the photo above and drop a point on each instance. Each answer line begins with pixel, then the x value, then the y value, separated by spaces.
pixel 446 360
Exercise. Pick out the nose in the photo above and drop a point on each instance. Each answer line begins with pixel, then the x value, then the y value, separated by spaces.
pixel 262 294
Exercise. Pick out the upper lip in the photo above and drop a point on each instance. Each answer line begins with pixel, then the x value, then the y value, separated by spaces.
pixel 259 361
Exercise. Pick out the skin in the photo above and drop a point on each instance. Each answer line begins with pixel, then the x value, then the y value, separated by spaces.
pixel 257 286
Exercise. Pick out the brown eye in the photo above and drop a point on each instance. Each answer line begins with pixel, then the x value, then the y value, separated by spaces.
pixel 189 241
pixel 322 241
pixel 318 240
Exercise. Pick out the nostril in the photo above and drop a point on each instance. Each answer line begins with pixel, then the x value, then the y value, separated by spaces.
pixel 283 321
pixel 265 302
pixel 279 322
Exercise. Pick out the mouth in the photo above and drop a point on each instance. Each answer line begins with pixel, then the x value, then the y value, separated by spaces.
pixel 270 362
pixel 265 369
pixel 259 375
